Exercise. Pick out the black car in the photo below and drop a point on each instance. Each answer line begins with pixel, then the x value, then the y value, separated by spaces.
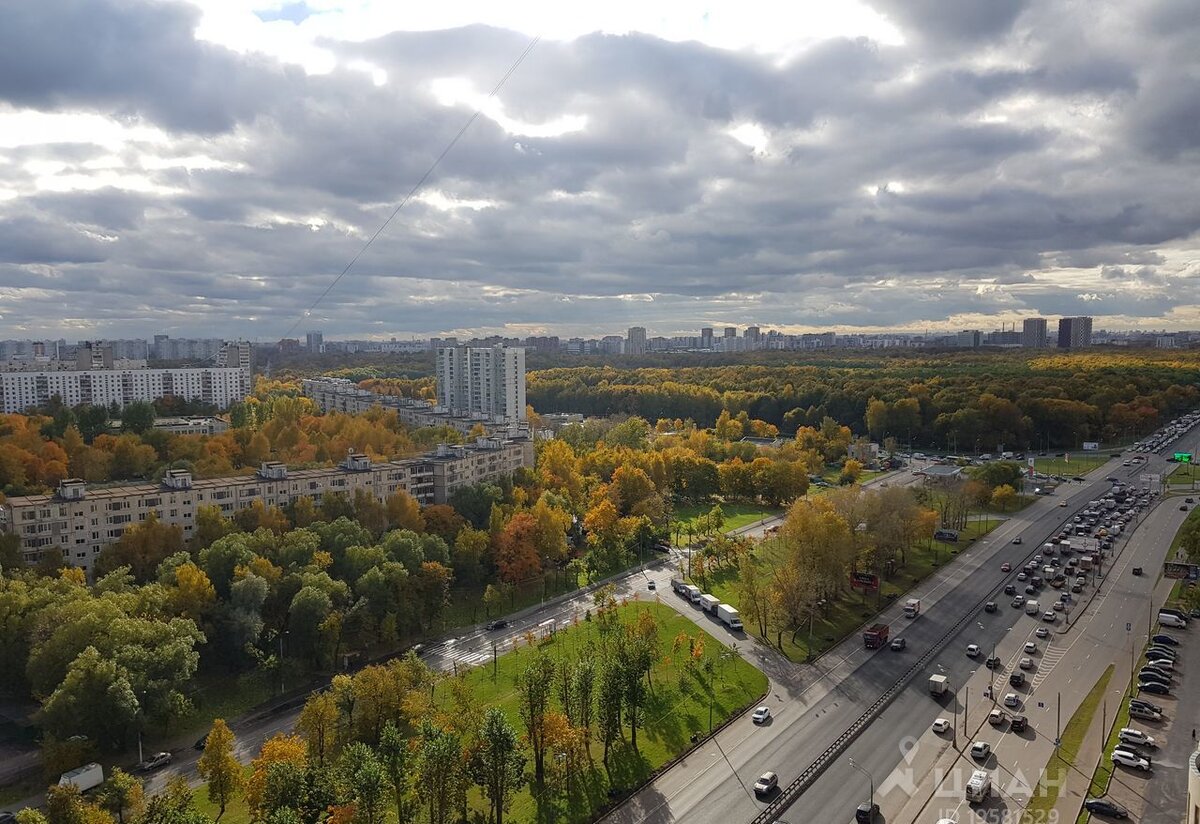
pixel 992 662
pixel 1010 589
pixel 1102 806
pixel 1169 640
pixel 1019 723
pixel 1017 679
pixel 1153 688
pixel 499 623
pixel 866 813
pixel 1137 571
pixel 990 606
pixel 899 643
pixel 199 745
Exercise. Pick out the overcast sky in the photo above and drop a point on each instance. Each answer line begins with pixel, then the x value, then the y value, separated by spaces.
pixel 208 168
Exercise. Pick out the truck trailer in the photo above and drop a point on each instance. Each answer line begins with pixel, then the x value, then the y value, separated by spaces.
pixel 729 616
pixel 709 603
pixel 979 787
pixel 938 684
pixel 912 607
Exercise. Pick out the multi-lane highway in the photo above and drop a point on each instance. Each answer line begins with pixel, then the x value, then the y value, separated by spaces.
pixel 816 705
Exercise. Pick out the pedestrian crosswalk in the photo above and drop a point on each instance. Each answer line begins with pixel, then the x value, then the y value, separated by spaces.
pixel 1049 659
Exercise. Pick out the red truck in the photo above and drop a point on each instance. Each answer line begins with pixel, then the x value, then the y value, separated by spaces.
pixel 876 636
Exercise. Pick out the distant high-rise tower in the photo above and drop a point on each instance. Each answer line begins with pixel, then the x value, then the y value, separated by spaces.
pixel 706 338
pixel 731 331
pixel 487 381
pixel 635 341
pixel 315 342
pixel 1074 333
pixel 753 337
pixel 1033 333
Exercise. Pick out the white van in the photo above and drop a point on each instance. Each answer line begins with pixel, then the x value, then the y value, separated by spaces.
pixel 1032 608
pixel 85 778
pixel 1168 619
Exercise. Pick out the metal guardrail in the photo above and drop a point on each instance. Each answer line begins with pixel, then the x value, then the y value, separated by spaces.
pixel 790 794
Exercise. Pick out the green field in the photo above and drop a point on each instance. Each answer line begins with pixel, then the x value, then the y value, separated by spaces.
pixel 1046 794
pixel 736 515
pixel 846 614
pixel 679 705
pixel 1184 475
pixel 1071 464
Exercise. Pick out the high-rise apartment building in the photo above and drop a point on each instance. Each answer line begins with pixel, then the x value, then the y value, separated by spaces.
pixel 1033 333
pixel 635 341
pixel 315 341
pixel 488 381
pixel 706 338
pixel 753 337
pixel 731 331
pixel 1074 333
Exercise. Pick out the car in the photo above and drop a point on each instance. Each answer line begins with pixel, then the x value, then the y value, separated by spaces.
pixel 761 715
pixel 1169 640
pixel 996 717
pixel 1031 647
pixel 1106 808
pixel 1017 540
pixel 1146 714
pixel 1132 735
pixel 1128 755
pixel 650 586
pixel 7 818
pixel 866 813
pixel 1164 664
pixel 990 606
pixel 1031 590
pixel 1062 503
pixel 1183 507
pixel 1058 606
pixel 941 725
pixel 1161 652
pixel 1021 576
pixel 1153 676
pixel 159 759
pixel 1076 588
pixel 1042 632
pixel 1011 699
pixel 993 662
pixel 1049 617
pixel 1019 723
pixel 201 743
pixel 1142 702
pixel 980 750
pixel 972 650
pixel 1016 679
pixel 766 782
pixel 1018 601
pixel 1006 567
pixel 1153 688
pixel 1037 560
pixel 501 623
pixel 899 643
pixel 1189 500
pixel 1009 589
pixel 1026 664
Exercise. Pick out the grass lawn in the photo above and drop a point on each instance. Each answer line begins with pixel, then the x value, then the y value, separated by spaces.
pixel 1079 463
pixel 736 515
pixel 236 812
pixel 1046 794
pixel 847 613
pixel 1192 516
pixel 1183 475
pixel 1104 769
pixel 678 705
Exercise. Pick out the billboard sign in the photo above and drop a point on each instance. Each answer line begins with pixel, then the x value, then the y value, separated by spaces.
pixel 1183 457
pixel 1179 571
pixel 867 581
pixel 1090 446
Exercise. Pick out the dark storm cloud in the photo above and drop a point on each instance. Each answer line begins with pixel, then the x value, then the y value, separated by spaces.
pixel 125 57
pixel 897 185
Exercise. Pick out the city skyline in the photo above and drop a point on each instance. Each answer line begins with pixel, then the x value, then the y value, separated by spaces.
pixel 212 167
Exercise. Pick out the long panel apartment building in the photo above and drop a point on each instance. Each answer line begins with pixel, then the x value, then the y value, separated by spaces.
pixel 82 520
pixel 220 385
pixel 346 396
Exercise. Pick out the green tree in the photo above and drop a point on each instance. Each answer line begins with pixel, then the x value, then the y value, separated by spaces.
pixel 137 417
pixel 95 699
pixel 394 756
pixel 1003 497
pixel 439 766
pixel 219 767
pixel 498 765
pixel 122 794
pixel 174 805
pixel 534 687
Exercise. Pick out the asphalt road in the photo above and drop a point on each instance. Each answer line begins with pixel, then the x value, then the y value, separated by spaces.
pixel 810 711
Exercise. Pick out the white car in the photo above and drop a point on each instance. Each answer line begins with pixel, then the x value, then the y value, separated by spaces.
pixel 972 650
pixel 980 750
pixel 996 717
pixel 765 783
pixel 1031 646
pixel 1132 735
pixel 941 725
pixel 1128 759
pixel 1021 576
pixel 1042 632
pixel 1026 663
pixel 1011 700
pixel 761 715
pixel 1049 617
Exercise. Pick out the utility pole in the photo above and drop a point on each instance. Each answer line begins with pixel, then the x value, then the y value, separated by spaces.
pixel 966 709
pixel 1058 723
pixel 870 779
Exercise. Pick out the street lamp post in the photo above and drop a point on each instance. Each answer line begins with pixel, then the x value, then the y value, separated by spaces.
pixel 870 779
pixel 281 637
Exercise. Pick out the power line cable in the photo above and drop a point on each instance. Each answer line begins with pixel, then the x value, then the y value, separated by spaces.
pixel 418 185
